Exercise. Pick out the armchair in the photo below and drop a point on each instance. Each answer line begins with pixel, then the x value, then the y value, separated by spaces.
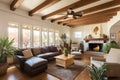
pixel 112 60
pixel 75 50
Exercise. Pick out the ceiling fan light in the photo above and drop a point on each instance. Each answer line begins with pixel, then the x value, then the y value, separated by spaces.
pixel 70 16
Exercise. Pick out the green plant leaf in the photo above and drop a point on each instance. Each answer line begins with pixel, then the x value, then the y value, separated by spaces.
pixel 6 48
pixel 97 73
pixel 113 44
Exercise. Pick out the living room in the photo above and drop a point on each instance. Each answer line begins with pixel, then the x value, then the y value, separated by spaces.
pixel 40 23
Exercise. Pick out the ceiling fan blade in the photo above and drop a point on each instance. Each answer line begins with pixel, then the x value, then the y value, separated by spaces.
pixel 65 17
pixel 79 14
pixel 74 17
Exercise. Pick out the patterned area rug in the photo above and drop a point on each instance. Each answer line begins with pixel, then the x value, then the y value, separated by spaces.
pixel 66 74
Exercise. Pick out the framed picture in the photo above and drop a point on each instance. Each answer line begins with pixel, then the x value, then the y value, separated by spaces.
pixel 96 31
pixel 112 36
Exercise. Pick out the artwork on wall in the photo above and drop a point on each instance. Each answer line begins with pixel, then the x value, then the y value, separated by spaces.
pixel 96 31
pixel 112 36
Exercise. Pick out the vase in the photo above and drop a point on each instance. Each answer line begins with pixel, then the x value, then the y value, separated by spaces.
pixel 3 68
pixel 66 54
pixel 105 78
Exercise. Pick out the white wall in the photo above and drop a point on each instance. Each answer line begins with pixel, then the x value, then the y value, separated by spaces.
pixel 21 17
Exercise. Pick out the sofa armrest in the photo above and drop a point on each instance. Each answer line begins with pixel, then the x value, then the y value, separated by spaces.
pixel 98 58
pixel 21 58
pixel 19 61
pixel 79 50
pixel 113 65
pixel 60 51
pixel 113 69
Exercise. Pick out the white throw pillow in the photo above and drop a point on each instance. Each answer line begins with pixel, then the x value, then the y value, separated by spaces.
pixel 27 53
pixel 113 56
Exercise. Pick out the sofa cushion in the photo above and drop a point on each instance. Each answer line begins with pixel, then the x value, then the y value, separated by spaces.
pixel 48 55
pixel 53 49
pixel 35 62
pixel 113 56
pixel 36 51
pixel 27 53
pixel 44 50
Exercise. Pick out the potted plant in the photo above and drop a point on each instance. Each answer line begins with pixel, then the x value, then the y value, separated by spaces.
pixel 109 45
pixel 6 50
pixel 65 52
pixel 63 37
pixel 97 73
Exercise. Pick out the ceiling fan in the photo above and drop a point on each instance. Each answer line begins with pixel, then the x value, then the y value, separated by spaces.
pixel 72 14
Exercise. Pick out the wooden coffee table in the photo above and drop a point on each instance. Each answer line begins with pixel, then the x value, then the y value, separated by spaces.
pixel 64 61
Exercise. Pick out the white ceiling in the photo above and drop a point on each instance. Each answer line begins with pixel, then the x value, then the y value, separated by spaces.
pixel 30 4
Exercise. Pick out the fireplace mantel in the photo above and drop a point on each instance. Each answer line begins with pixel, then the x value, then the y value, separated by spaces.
pixel 96 39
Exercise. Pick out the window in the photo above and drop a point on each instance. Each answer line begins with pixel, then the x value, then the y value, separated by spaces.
pixel 77 34
pixel 44 37
pixel 13 33
pixel 51 37
pixel 57 38
pixel 36 36
pixel 26 36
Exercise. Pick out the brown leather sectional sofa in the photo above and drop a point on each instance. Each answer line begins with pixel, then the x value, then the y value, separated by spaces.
pixel 38 62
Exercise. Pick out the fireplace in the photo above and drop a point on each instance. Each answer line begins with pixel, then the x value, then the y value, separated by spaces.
pixel 95 47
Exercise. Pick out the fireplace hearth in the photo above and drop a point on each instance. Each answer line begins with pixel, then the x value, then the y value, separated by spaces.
pixel 95 47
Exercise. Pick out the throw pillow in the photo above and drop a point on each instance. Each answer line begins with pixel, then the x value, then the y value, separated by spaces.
pixel 27 53
pixel 113 56
pixel 36 51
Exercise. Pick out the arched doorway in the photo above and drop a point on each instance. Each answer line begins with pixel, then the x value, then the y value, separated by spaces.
pixel 115 31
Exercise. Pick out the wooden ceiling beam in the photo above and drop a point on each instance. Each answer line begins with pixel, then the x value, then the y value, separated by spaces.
pixel 15 4
pixel 42 6
pixel 96 8
pixel 92 17
pixel 92 20
pixel 102 6
pixel 73 6
pixel 113 10
pixel 88 23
